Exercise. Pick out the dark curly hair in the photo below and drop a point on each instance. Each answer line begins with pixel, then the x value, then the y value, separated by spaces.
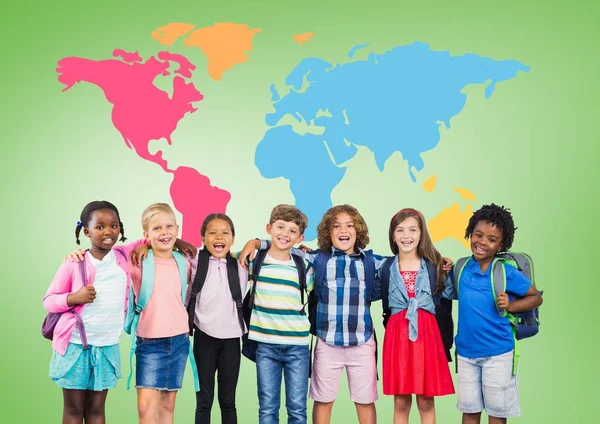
pixel 500 217
pixel 324 228
pixel 86 216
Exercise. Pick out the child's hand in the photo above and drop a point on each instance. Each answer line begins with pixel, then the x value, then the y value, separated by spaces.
pixel 139 253
pixel 76 256
pixel 86 294
pixel 503 301
pixel 447 265
pixel 248 252
pixel 305 249
pixel 186 248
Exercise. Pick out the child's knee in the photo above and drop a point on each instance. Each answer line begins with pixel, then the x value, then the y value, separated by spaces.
pixel 146 406
pixel 425 403
pixel 167 401
pixel 402 403
pixel 74 409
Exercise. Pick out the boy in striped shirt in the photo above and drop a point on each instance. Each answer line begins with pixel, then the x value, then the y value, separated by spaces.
pixel 279 322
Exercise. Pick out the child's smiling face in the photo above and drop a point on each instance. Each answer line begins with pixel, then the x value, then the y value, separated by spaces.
pixel 343 233
pixel 103 229
pixel 284 234
pixel 218 238
pixel 162 232
pixel 407 235
pixel 486 241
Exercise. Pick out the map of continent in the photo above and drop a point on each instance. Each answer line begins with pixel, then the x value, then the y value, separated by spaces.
pixel 391 102
pixel 142 113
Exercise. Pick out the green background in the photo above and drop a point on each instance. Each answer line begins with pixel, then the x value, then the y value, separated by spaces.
pixel 532 146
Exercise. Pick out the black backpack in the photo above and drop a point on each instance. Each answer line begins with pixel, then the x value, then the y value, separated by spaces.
pixel 234 286
pixel 443 306
pixel 249 346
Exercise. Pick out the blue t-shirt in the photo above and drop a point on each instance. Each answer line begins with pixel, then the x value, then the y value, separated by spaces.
pixel 482 331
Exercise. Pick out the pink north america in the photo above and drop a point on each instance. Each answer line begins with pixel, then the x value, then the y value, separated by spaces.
pixel 142 112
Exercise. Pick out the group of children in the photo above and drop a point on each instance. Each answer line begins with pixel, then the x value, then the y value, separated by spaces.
pixel 326 292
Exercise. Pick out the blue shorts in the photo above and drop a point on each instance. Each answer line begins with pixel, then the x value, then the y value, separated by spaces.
pixel 488 383
pixel 160 363
pixel 97 368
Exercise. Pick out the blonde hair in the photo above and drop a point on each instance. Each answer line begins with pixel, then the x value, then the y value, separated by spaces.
pixel 155 209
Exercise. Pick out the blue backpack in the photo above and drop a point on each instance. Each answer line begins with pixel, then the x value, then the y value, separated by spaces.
pixel 135 306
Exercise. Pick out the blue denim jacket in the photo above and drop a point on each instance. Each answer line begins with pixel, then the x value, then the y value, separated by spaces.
pixel 399 300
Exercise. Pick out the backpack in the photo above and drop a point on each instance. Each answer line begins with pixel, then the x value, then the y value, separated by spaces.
pixel 234 286
pixel 249 346
pixel 52 318
pixel 320 265
pixel 443 306
pixel 525 324
pixel 135 306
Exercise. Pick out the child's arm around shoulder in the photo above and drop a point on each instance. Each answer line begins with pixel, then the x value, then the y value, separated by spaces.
pixel 450 291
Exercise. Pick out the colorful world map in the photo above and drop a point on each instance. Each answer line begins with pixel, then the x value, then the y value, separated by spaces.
pixel 395 101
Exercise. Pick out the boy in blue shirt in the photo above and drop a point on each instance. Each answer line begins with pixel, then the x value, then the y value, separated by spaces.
pixel 484 342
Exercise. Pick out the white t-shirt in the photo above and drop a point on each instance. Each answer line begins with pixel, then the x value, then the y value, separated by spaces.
pixel 103 318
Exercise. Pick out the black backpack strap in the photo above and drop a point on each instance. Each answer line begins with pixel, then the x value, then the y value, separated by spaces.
pixel 233 277
pixel 300 265
pixel 199 279
pixel 385 288
pixel 256 265
pixel 432 271
pixel 320 265
pixel 369 269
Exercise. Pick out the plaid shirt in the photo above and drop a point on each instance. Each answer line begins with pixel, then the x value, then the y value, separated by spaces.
pixel 343 315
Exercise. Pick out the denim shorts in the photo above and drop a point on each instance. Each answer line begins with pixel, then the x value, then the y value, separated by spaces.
pixel 160 363
pixel 97 368
pixel 488 383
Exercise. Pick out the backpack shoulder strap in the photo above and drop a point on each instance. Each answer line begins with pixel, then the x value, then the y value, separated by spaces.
pixel 385 282
pixel 147 285
pixel 199 279
pixel 201 272
pixel 256 265
pixel 233 278
pixel 183 273
pixel 521 261
pixel 320 263
pixel 432 272
pixel 458 270
pixel 369 268
pixel 301 267
pixel 498 277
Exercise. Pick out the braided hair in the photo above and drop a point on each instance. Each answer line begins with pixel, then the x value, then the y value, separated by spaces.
pixel 500 217
pixel 86 215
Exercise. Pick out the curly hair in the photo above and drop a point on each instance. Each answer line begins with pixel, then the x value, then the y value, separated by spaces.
pixel 500 217
pixel 324 228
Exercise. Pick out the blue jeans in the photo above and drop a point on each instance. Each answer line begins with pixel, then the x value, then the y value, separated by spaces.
pixel 271 360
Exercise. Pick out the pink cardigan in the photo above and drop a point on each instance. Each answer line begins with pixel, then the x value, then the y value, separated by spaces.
pixel 68 280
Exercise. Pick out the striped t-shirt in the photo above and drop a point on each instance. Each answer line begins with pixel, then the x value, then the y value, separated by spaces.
pixel 277 316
